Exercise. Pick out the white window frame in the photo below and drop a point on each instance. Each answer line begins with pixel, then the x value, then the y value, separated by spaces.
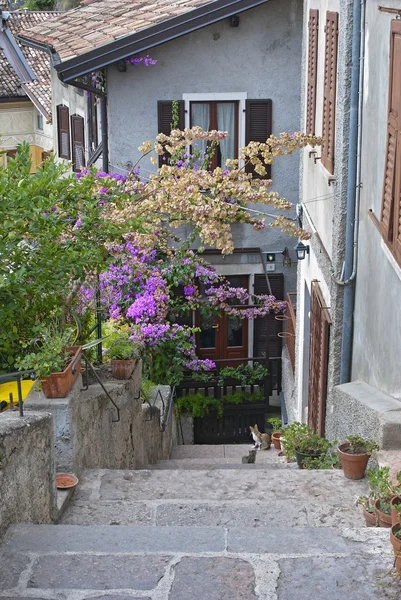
pixel 239 97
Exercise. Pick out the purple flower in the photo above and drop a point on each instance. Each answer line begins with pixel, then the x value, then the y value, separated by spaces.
pixel 189 290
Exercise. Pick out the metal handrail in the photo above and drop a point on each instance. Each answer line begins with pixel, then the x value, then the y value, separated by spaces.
pixel 92 368
pixel 18 375
pixel 170 402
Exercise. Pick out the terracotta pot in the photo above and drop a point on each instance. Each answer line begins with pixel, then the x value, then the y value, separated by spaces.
pixel 58 385
pixel 354 465
pixel 383 518
pixel 370 518
pixel 395 516
pixel 276 439
pixel 300 456
pixel 122 369
pixel 396 543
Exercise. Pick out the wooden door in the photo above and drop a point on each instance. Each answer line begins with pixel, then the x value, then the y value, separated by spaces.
pixel 318 360
pixel 223 337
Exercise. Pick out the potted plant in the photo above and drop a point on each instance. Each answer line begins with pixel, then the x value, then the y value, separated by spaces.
pixel 395 539
pixel 276 429
pixel 291 434
pixel 382 491
pixel 354 454
pixel 123 353
pixel 368 510
pixel 310 446
pixel 56 362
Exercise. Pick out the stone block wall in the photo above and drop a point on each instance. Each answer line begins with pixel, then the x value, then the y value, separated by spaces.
pixel 88 435
pixel 27 474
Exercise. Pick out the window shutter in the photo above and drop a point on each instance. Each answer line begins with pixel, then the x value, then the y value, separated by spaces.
pixel 312 70
pixel 390 216
pixel 63 131
pixel 258 127
pixel 329 94
pixel 78 147
pixel 165 118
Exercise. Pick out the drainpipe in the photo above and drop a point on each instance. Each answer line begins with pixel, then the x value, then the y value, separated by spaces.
pixel 353 189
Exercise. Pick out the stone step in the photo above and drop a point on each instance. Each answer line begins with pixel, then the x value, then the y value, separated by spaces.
pixel 217 497
pixel 220 463
pixel 207 451
pixel 201 563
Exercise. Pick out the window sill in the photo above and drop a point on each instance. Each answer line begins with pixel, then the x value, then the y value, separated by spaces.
pixel 385 247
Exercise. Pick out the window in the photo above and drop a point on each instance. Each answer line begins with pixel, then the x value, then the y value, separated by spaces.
pixel 63 131
pixel 39 121
pixel 245 120
pixel 390 215
pixel 313 26
pixel 222 116
pixel 329 93
pixel 78 147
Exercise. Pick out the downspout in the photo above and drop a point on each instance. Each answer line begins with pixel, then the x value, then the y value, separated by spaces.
pixel 353 189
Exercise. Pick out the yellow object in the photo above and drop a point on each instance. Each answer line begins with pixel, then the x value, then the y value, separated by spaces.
pixel 12 388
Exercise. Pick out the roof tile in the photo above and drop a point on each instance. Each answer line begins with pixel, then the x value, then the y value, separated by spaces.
pixel 98 22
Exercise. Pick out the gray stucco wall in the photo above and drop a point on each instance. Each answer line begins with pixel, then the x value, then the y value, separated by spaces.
pixel 377 333
pixel 262 57
pixel 27 474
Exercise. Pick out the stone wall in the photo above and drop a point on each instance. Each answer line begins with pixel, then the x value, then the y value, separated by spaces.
pixel 27 482
pixel 89 436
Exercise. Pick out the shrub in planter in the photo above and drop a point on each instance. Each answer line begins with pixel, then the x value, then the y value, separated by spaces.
pixel 354 455
pixel 310 446
pixel 56 363
pixel 123 353
pixel 292 434
pixel 328 460
pixel 368 510
pixel 276 429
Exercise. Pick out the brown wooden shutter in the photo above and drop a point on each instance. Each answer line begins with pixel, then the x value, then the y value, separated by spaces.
pixel 390 215
pixel 165 118
pixel 63 131
pixel 78 146
pixel 318 360
pixel 312 70
pixel 258 127
pixel 329 94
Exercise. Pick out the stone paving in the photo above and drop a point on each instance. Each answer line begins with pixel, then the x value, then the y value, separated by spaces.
pixel 277 533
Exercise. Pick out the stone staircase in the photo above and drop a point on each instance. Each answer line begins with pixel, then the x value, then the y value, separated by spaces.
pixel 203 526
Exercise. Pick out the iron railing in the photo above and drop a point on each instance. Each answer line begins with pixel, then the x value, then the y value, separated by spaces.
pixel 167 405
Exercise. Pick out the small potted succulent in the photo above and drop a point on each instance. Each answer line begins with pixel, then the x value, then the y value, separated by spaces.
pixel 124 354
pixel 276 431
pixel 55 360
pixel 354 454
pixel 368 510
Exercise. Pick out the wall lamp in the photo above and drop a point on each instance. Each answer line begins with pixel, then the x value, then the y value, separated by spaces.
pixel 234 21
pixel 301 250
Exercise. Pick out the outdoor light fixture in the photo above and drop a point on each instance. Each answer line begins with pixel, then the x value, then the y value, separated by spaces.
pixel 234 21
pixel 270 257
pixel 301 250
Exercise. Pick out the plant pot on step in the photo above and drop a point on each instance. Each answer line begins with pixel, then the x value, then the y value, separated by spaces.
pixel 59 385
pixel 354 465
pixel 276 439
pixel 300 456
pixel 395 515
pixel 396 543
pixel 383 518
pixel 122 369
pixel 370 518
